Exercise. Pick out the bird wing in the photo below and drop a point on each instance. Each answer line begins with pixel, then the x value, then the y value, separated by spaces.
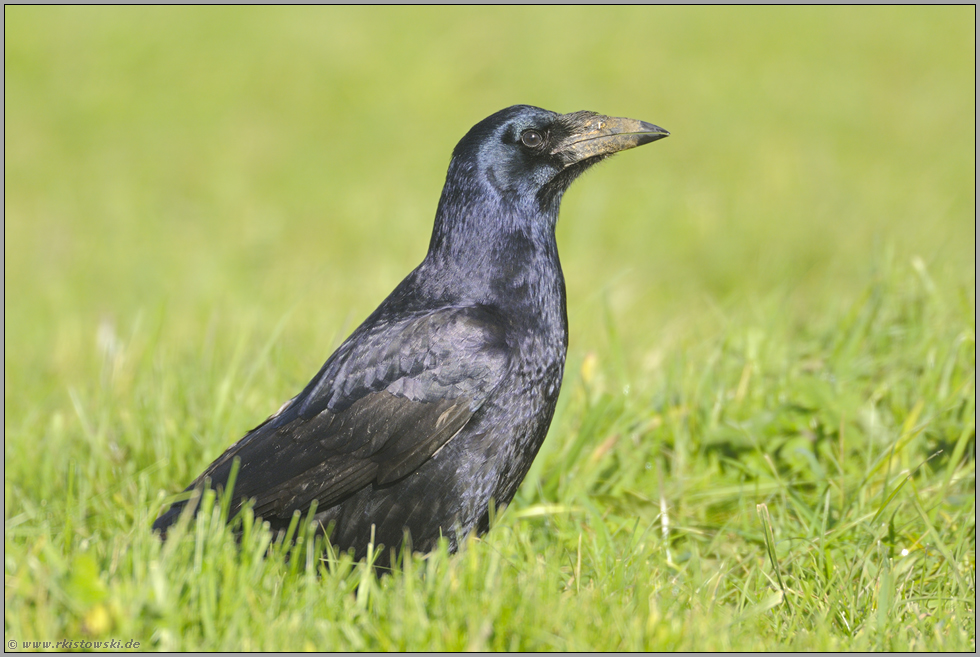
pixel 387 400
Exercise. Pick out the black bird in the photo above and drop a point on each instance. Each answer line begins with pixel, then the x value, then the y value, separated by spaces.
pixel 436 405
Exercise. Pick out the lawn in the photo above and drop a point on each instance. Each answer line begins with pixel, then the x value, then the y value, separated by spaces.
pixel 766 436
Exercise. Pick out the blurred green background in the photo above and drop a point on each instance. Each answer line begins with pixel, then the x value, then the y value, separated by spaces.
pixel 203 172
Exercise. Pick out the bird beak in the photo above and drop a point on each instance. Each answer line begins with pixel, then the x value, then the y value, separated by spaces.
pixel 594 135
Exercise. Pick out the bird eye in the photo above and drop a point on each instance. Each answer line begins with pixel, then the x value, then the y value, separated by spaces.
pixel 532 138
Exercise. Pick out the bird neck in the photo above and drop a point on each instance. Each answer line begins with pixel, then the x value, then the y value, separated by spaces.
pixel 485 249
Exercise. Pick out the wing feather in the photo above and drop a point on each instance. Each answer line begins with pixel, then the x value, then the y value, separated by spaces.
pixel 387 400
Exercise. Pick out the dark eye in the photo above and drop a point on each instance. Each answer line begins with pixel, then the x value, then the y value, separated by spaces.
pixel 532 138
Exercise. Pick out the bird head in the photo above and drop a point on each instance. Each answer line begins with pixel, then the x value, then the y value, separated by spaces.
pixel 507 177
pixel 526 154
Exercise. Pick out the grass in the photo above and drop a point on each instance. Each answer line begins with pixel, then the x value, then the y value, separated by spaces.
pixel 766 437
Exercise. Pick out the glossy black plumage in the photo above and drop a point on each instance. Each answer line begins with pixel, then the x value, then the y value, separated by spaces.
pixel 439 401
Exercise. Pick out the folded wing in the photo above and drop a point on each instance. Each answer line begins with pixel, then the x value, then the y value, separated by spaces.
pixel 382 405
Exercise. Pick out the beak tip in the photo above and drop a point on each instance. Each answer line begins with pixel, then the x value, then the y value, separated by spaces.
pixel 654 129
pixel 651 133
